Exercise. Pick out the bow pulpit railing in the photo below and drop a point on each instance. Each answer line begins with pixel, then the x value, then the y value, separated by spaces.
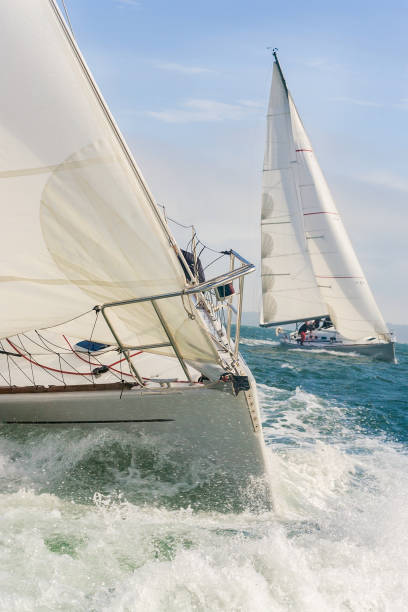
pixel 202 292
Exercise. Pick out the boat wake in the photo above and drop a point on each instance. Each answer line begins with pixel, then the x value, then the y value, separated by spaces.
pixel 315 351
pixel 258 342
pixel 76 463
pixel 342 496
pixel 336 541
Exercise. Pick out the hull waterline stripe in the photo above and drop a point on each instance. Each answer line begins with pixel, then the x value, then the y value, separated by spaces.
pixel 89 422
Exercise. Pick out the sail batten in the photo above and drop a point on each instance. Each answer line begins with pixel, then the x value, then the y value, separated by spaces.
pixel 82 225
pixel 339 282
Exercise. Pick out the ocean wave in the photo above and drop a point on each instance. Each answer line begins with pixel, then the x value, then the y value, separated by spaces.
pixel 101 520
pixel 337 541
pixel 337 354
pixel 258 342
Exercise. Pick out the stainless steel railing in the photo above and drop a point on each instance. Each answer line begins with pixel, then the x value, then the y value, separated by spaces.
pixel 198 288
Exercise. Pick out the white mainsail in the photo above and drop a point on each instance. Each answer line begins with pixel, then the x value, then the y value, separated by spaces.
pixel 80 227
pixel 289 288
pixel 340 281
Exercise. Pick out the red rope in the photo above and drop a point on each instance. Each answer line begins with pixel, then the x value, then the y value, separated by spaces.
pixel 46 367
pixel 82 359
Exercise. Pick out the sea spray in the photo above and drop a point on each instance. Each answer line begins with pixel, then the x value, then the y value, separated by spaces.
pixel 99 520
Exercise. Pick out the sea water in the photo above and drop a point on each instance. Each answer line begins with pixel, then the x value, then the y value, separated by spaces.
pixel 96 519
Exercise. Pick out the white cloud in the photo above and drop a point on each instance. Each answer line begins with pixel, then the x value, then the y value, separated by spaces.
pixel 128 2
pixel 173 67
pixel 356 101
pixel 402 104
pixel 198 110
pixel 252 103
pixel 324 65
pixel 386 179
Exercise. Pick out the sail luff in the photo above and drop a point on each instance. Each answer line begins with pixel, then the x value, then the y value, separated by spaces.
pixel 278 66
pixel 289 289
pixel 115 128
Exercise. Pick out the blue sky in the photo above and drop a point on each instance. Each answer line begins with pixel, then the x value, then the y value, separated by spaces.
pixel 188 84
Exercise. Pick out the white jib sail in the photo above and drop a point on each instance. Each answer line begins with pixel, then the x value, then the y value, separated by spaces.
pixel 337 270
pixel 289 288
pixel 79 224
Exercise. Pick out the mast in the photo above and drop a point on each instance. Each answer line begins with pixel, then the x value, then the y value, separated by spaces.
pixel 308 263
pixel 289 288
pixel 275 55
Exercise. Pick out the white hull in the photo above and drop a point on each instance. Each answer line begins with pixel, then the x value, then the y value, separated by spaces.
pixel 207 411
pixel 383 351
pixel 206 424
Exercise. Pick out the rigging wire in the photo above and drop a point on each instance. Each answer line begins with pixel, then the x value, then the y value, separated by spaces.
pixel 76 373
pixel 5 379
pixel 68 19
pixel 213 261
pixel 110 366
pixel 94 325
pixel 209 248
pixel 49 368
pixel 9 382
pixel 8 364
pixel 31 365
pixel 62 349
pixel 59 359
pixel 22 371
pixel 188 227
pixel 90 340
pixel 173 220
pixel 67 321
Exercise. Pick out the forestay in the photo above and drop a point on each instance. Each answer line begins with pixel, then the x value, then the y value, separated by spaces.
pixel 328 253
pixel 80 227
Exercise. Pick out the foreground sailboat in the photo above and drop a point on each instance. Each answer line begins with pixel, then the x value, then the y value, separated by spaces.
pixel 103 319
pixel 310 271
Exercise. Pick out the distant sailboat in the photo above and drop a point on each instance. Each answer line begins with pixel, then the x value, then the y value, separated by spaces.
pixel 102 319
pixel 309 268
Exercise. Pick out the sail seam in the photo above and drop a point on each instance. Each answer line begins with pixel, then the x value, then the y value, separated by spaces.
pixel 323 212
pixel 345 277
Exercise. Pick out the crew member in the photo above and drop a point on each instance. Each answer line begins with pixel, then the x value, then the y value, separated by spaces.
pixel 327 322
pixel 302 332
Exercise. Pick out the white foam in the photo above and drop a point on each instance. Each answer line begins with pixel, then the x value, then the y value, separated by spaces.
pixel 258 342
pixel 336 542
pixel 333 353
